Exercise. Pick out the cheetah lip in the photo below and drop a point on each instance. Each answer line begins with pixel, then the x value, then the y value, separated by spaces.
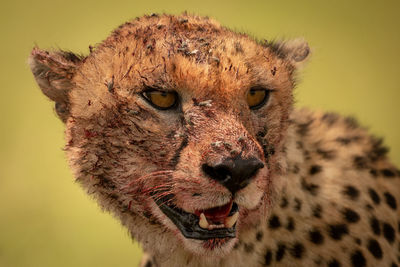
pixel 204 224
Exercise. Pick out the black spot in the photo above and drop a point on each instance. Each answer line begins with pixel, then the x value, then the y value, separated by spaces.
pixel 343 140
pixel 314 169
pixel 259 236
pixel 378 151
pixel 150 47
pixel 394 265
pixel 280 252
pixel 274 222
pixel 284 202
pixel 297 250
pixel 351 192
pixel 357 259
pixel 238 47
pixel 273 71
pixel 113 196
pixel 373 172
pixel 326 154
pixel 388 173
pixel 360 162
pixel 290 226
pixel 295 169
pixel 388 232
pixel 374 196
pixel 303 128
pixel 375 248
pixel 357 240
pixel 297 204
pixel 390 200
pixel 316 237
pixel 351 122
pixel 350 215
pixel 237 245
pixel 148 264
pixel 110 85
pixel 336 231
pixel 262 133
pixel 268 257
pixel 330 118
pixel 62 109
pixel 105 182
pixel 249 247
pixel 369 207
pixel 334 263
pixel 311 188
pixel 375 226
pixel 317 211
pixel 307 155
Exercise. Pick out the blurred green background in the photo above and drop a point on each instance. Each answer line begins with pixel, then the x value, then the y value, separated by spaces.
pixel 47 220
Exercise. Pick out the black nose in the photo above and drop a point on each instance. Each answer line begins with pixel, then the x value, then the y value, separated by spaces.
pixel 234 174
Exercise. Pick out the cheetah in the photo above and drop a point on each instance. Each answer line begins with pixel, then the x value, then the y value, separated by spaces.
pixel 186 132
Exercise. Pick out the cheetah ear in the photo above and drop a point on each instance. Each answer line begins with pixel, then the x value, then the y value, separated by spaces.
pixel 296 51
pixel 53 72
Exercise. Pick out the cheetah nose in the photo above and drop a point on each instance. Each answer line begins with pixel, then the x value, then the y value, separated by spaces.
pixel 234 174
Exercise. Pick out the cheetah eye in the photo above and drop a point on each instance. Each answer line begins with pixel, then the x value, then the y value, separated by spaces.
pixel 257 97
pixel 161 99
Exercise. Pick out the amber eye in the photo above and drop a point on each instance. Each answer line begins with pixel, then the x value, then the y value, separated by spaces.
pixel 161 99
pixel 257 97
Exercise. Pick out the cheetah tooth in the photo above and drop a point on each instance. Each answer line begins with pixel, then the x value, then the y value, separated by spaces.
pixel 230 221
pixel 216 226
pixel 203 221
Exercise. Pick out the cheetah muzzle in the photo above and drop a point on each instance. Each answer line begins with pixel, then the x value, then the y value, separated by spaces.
pixel 217 222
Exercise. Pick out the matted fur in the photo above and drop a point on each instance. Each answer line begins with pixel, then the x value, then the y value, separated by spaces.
pixel 327 195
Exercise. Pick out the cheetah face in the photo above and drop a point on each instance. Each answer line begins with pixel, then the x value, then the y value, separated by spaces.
pixel 204 189
pixel 175 124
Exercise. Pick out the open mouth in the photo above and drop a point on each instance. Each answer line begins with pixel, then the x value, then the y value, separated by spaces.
pixel 217 222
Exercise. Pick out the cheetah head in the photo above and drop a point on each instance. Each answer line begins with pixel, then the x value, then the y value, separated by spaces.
pixel 175 124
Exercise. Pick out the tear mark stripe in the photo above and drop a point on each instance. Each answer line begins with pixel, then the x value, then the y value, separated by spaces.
pixel 176 157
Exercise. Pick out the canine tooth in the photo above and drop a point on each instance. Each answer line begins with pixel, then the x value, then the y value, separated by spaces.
pixel 203 221
pixel 230 221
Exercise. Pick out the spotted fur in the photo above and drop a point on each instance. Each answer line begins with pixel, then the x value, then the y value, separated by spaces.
pixel 327 196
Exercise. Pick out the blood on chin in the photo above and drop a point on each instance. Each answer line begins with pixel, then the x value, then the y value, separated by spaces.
pixel 215 247
pixel 215 243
